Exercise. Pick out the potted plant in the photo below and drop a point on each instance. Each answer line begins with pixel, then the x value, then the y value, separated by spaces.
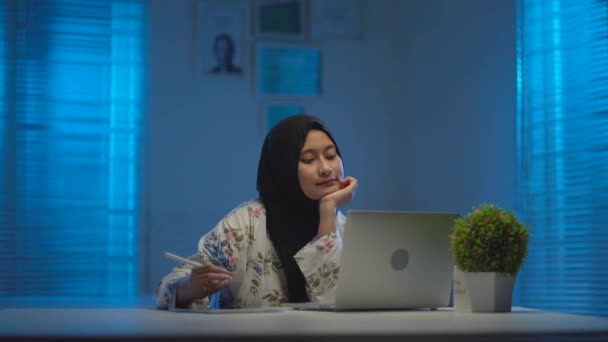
pixel 489 245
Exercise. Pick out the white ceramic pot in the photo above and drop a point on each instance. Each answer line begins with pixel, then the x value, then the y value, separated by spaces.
pixel 489 291
pixel 462 303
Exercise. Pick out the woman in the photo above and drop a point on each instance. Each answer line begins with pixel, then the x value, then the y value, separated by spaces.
pixel 284 246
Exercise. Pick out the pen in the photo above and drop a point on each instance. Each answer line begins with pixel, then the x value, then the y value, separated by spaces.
pixel 183 260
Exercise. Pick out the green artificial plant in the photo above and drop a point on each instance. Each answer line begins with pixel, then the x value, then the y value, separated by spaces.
pixel 489 239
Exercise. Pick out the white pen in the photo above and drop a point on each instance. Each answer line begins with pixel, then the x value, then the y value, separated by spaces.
pixel 183 260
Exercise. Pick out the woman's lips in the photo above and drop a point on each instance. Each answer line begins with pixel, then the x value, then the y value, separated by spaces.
pixel 327 182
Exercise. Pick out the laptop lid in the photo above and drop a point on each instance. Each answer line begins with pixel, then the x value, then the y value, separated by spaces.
pixel 394 260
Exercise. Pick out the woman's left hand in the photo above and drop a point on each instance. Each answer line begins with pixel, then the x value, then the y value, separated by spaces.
pixel 329 203
pixel 341 197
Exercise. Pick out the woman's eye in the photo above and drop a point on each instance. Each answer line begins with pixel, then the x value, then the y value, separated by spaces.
pixel 307 161
pixel 331 156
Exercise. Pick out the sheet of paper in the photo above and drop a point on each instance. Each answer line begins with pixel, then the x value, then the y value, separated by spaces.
pixel 233 311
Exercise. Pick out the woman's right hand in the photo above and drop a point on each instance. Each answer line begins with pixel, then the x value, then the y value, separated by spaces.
pixel 206 280
pixel 202 282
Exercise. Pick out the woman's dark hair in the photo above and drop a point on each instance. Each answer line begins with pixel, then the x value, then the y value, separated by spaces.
pixel 292 219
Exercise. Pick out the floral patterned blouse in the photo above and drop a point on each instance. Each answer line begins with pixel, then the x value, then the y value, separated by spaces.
pixel 240 244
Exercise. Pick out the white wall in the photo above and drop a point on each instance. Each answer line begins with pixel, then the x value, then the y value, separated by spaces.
pixel 417 107
pixel 454 132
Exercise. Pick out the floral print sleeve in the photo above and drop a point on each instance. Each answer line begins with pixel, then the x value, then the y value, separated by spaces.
pixel 222 247
pixel 319 261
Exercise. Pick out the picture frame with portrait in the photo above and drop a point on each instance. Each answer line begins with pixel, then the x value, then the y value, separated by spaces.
pixel 219 38
pixel 280 19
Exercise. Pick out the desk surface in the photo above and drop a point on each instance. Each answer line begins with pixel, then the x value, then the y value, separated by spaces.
pixel 148 323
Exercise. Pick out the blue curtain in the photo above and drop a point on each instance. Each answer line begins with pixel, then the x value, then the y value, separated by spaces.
pixel 563 153
pixel 70 128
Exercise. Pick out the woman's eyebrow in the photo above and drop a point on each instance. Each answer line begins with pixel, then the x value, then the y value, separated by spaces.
pixel 312 150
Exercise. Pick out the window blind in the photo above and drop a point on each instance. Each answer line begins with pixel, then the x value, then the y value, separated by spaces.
pixel 562 156
pixel 70 125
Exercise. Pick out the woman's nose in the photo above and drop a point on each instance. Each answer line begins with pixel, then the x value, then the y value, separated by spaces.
pixel 325 170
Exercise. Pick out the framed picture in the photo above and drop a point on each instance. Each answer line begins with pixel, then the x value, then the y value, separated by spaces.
pixel 274 111
pixel 219 38
pixel 336 19
pixel 282 19
pixel 287 70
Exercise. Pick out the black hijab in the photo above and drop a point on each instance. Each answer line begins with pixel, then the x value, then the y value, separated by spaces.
pixel 292 219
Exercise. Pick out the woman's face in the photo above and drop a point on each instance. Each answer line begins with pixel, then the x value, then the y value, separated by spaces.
pixel 320 167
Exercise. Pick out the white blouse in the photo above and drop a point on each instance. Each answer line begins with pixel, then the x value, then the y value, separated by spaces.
pixel 240 244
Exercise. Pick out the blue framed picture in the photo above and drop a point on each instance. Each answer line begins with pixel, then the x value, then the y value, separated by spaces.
pixel 288 70
pixel 274 112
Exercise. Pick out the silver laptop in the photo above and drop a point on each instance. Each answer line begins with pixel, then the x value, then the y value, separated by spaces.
pixel 393 260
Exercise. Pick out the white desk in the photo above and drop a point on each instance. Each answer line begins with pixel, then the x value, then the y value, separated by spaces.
pixel 150 324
